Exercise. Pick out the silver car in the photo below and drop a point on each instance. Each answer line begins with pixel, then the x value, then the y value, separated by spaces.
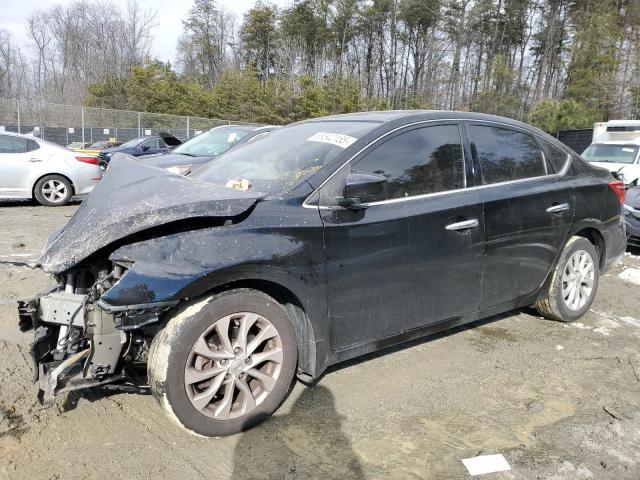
pixel 34 168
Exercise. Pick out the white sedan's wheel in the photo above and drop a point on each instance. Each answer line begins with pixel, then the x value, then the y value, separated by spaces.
pixel 53 191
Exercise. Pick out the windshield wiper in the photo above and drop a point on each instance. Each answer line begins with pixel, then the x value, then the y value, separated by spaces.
pixel 187 154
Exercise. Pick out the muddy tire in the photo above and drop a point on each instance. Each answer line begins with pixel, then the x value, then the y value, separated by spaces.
pixel 225 363
pixel 574 283
pixel 53 191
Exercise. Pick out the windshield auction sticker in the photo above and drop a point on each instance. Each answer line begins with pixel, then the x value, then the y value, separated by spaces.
pixel 337 139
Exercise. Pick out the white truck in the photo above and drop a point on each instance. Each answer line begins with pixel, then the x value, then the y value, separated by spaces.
pixel 616 147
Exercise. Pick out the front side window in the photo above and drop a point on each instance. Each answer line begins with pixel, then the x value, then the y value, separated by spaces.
pixel 153 143
pixel 10 144
pixel 610 153
pixel 417 162
pixel 506 154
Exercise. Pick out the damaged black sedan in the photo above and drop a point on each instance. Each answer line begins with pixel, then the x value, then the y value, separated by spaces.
pixel 326 240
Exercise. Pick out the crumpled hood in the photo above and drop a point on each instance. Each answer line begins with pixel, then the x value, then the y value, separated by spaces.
pixel 173 159
pixel 632 197
pixel 132 197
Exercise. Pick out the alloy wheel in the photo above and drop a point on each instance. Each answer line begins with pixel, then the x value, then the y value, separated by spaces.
pixel 233 366
pixel 54 191
pixel 578 280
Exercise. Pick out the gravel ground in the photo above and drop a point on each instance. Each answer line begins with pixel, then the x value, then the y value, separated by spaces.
pixel 559 401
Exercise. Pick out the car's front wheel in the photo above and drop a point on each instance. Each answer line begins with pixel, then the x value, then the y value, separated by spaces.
pixel 574 283
pixel 224 364
pixel 53 191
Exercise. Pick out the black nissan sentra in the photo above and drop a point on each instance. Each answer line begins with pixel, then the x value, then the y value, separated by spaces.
pixel 323 241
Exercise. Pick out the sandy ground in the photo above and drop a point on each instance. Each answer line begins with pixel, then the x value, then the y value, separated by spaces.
pixel 559 401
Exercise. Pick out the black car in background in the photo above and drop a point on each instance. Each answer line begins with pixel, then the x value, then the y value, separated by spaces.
pixel 161 143
pixel 325 240
pixel 206 146
pixel 632 216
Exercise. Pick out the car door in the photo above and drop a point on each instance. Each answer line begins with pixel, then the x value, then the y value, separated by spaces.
pixel 18 157
pixel 381 260
pixel 528 209
pixel 446 231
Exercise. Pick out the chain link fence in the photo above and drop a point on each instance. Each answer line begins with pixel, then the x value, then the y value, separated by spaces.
pixel 64 124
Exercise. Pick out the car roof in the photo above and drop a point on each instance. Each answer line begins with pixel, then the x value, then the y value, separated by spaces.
pixel 21 135
pixel 417 115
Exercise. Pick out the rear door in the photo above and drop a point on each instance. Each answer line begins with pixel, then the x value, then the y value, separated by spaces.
pixel 18 157
pixel 528 209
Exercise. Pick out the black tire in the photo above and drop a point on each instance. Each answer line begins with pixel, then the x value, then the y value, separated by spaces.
pixel 172 347
pixel 44 195
pixel 554 305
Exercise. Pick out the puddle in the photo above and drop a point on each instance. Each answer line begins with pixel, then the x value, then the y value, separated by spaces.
pixel 487 337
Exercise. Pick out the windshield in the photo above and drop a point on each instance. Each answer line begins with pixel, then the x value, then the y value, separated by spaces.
pixel 211 143
pixel 611 153
pixel 284 158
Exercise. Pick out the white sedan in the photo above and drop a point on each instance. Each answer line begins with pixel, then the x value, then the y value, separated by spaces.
pixel 34 168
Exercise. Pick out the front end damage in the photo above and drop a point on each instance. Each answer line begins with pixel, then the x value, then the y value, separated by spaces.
pixel 81 342
pixel 82 337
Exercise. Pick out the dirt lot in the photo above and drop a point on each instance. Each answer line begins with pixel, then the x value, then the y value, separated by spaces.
pixel 560 401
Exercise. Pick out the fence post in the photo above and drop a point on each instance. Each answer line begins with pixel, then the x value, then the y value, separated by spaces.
pixel 139 134
pixel 187 127
pixel 82 122
pixel 18 105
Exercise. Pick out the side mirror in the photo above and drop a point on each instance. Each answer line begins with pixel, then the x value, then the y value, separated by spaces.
pixel 144 148
pixel 362 188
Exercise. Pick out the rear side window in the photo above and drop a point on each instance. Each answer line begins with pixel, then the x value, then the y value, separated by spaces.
pixel 9 144
pixel 420 161
pixel 556 157
pixel 506 155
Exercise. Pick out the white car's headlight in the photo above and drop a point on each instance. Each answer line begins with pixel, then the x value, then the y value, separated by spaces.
pixel 180 169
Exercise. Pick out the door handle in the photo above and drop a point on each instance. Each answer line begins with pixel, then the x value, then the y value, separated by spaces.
pixel 34 160
pixel 563 207
pixel 463 225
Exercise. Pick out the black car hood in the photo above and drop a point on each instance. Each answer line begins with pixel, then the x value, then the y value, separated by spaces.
pixel 174 159
pixel 632 197
pixel 133 197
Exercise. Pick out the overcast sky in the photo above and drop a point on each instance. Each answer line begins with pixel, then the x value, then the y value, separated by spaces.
pixel 14 13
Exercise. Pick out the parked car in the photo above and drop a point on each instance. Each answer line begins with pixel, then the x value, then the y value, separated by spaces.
pixel 199 150
pixel 632 216
pixel 137 147
pixel 78 145
pixel 34 168
pixel 326 240
pixel 616 147
pixel 96 147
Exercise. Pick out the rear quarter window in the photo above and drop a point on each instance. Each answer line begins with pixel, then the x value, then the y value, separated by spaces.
pixel 556 157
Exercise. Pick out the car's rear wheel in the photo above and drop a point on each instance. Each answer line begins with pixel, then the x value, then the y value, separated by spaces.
pixel 574 283
pixel 53 191
pixel 224 364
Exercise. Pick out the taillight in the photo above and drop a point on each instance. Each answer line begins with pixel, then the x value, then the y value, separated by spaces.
pixel 618 189
pixel 91 160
